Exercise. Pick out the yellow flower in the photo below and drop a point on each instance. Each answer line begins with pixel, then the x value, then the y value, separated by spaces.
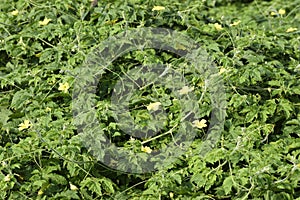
pixel 111 22
pixel 73 187
pixel 171 194
pixel 281 11
pixel 153 106
pixel 158 8
pixel 222 70
pixel 291 30
pixel 40 192
pixel 200 124
pixel 25 125
pixel 44 22
pixel 218 26
pixel 201 84
pixel 38 55
pixel 64 87
pixel 4 164
pixel 48 109
pixel 146 149
pixel 273 13
pixel 7 178
pixel 235 23
pixel 185 90
pixel 14 13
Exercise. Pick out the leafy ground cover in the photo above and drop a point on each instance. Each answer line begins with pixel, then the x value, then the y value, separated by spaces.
pixel 255 46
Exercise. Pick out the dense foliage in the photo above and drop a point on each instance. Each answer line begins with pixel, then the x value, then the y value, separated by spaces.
pixel 255 46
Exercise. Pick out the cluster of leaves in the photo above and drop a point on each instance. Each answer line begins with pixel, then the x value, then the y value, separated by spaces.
pixel 256 47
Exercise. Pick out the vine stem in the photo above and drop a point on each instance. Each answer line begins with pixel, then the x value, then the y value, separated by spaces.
pixel 166 133
pixel 154 138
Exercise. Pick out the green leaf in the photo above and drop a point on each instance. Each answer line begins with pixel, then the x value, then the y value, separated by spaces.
pixel 177 178
pixel 67 195
pixel 20 99
pixel 56 178
pixel 295 90
pixel 198 179
pixel 108 187
pixel 227 184
pixel 251 115
pixel 285 106
pixel 92 184
pixel 46 55
pixel 4 115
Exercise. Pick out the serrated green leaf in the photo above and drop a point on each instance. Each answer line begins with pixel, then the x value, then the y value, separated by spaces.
pixel 227 184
